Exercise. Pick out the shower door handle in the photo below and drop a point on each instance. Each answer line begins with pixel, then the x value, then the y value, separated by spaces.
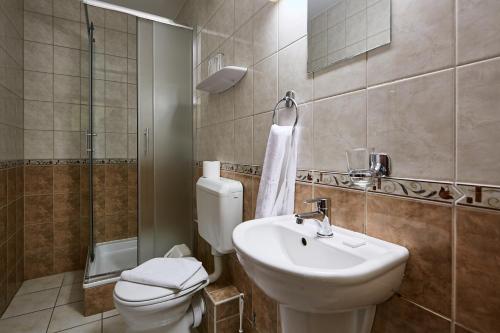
pixel 146 140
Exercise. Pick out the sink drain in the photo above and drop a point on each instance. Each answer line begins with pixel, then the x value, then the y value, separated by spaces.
pixel 304 242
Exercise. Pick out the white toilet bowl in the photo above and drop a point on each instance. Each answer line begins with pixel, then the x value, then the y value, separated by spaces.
pixel 146 307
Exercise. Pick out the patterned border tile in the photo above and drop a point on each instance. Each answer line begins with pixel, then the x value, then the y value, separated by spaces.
pixel 79 162
pixel 10 164
pixel 479 196
pixel 417 189
pixel 443 192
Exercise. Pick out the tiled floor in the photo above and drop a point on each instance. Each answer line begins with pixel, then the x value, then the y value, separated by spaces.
pixel 55 304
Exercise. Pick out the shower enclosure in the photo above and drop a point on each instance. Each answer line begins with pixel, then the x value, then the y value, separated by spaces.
pixel 137 140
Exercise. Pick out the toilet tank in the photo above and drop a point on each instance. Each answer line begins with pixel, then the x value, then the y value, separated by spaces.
pixel 220 209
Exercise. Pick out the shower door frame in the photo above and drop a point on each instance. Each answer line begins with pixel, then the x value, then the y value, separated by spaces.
pixel 89 136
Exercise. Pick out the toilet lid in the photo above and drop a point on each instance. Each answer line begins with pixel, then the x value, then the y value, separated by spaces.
pixel 136 292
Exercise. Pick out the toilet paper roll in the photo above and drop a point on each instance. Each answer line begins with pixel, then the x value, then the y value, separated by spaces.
pixel 211 169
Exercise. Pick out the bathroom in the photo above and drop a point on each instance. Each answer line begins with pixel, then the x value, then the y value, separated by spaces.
pixel 106 130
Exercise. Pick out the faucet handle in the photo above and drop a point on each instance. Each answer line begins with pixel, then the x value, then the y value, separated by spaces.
pixel 320 201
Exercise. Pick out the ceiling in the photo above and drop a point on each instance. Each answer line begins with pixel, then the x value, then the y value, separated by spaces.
pixel 165 8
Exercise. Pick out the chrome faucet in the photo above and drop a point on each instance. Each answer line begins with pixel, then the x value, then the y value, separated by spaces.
pixel 323 211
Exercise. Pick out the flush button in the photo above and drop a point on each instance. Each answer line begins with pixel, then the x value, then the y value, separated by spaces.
pixel 354 243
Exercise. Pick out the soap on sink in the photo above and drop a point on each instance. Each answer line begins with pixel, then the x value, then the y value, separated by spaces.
pixel 354 243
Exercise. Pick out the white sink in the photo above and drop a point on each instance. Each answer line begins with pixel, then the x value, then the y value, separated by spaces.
pixel 322 284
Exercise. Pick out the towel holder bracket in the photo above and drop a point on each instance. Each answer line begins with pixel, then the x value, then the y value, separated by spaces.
pixel 289 100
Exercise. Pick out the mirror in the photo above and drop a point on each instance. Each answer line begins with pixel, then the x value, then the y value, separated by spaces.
pixel 342 29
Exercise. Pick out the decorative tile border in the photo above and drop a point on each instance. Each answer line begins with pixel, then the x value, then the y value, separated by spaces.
pixel 79 162
pixel 443 192
pixel 417 189
pixel 10 164
pixel 479 196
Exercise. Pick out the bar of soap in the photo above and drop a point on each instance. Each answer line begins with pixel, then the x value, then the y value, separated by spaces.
pixel 354 243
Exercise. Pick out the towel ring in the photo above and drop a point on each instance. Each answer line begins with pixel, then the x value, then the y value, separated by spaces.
pixel 289 100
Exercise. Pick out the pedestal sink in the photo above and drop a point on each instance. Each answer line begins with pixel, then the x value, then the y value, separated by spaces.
pixel 321 284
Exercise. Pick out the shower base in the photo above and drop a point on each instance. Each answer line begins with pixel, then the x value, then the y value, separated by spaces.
pixel 110 259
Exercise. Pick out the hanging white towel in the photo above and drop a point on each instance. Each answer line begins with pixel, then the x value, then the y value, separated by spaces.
pixel 163 272
pixel 277 183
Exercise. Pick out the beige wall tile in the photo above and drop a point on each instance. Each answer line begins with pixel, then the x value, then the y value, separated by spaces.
pixel 343 77
pixel 39 6
pixel 96 15
pixel 38 144
pixel 116 20
pixel 132 146
pixel 243 10
pixel 132 120
pixel 224 141
pixel 265 83
pixel 131 46
pixel 67 9
pixel 292 21
pixel 132 96
pixel 261 127
pixel 38 57
pixel 67 33
pixel 132 24
pixel 131 71
pixel 116 94
pixel 116 145
pixel 66 117
pixel 243 45
pixel 478 24
pixel 303 130
pixel 66 89
pixel 265 32
pixel 478 122
pixel 243 96
pixel 339 125
pixel 422 41
pixel 66 61
pixel 292 71
pixel 115 43
pixel 412 120
pixel 243 134
pixel 38 115
pixel 38 86
pixel 66 144
pixel 38 28
pixel 116 120
pixel 116 68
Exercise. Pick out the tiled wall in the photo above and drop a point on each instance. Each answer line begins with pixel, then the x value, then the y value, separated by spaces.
pixel 56 76
pixel 429 99
pixel 55 120
pixel 56 213
pixel 11 150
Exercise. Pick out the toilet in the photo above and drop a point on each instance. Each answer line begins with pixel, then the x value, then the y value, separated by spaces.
pixel 158 309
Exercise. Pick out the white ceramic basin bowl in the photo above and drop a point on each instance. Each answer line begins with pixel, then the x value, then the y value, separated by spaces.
pixel 326 275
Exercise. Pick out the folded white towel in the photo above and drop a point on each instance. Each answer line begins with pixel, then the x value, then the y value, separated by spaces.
pixel 163 272
pixel 277 183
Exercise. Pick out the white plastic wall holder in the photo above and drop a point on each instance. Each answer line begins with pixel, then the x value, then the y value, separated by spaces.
pixel 222 80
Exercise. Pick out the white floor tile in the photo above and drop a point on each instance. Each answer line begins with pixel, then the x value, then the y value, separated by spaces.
pixel 43 283
pixel 114 324
pixel 110 313
pixel 95 327
pixel 27 303
pixel 35 322
pixel 69 316
pixel 73 277
pixel 70 294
